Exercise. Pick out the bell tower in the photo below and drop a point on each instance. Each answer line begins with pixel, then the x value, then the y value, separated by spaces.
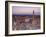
pixel 33 14
pixel 33 20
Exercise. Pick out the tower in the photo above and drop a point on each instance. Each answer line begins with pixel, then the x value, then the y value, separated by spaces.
pixel 33 20
pixel 33 14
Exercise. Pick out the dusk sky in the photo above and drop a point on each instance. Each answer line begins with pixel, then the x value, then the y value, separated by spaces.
pixel 17 10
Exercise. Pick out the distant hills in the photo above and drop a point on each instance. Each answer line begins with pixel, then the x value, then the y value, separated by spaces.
pixel 24 14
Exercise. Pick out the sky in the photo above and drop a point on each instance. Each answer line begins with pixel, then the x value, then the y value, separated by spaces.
pixel 21 10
